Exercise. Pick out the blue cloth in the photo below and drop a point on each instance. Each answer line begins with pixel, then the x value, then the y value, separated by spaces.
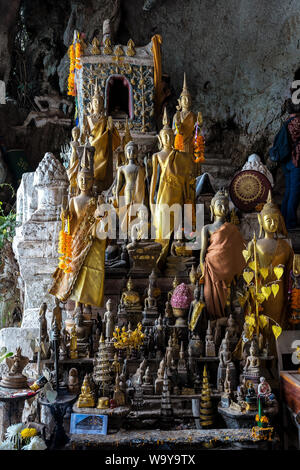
pixel 291 197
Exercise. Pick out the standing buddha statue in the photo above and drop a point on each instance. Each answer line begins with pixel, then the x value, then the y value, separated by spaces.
pixel 172 182
pixel 105 139
pixel 221 258
pixel 72 171
pixel 274 252
pixel 130 183
pixel 83 281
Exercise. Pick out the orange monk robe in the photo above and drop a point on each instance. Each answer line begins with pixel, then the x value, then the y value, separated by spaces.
pixel 105 142
pixel 186 129
pixel 223 261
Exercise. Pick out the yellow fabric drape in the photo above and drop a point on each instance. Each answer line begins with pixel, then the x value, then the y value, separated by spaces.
pixel 102 151
pixel 156 49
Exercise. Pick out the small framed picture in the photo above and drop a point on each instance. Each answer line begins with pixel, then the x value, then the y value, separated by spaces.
pixel 88 424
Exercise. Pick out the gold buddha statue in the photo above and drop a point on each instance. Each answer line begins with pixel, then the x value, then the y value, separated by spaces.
pixel 73 344
pixel 173 176
pixel 105 138
pixel 185 119
pixel 221 258
pixel 130 299
pixel 274 252
pixel 86 398
pixel 84 280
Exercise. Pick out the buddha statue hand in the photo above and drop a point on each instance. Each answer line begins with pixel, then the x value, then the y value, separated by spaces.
pixel 110 124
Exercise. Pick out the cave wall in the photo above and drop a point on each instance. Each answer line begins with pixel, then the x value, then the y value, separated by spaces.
pixel 239 55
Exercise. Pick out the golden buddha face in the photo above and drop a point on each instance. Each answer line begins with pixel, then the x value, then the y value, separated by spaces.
pixel 220 207
pixel 186 102
pixel 85 181
pixel 167 138
pixel 270 222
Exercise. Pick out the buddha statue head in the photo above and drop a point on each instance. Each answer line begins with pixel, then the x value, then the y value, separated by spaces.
pixel 85 177
pixel 185 100
pixel 271 220
pixel 131 150
pixel 166 136
pixel 97 102
pixel 75 133
pixel 219 205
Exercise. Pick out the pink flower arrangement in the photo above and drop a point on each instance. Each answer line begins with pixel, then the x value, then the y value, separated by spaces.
pixel 181 297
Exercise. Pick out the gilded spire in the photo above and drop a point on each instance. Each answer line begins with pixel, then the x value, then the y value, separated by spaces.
pixel 185 91
pixel 165 120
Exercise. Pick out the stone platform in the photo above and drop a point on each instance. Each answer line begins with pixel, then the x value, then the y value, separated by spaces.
pixel 176 441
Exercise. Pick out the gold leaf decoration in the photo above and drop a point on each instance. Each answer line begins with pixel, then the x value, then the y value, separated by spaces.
pixel 246 255
pixel 266 291
pixel 276 330
pixel 260 297
pixel 263 321
pixel 264 272
pixel 278 271
pixel 248 276
pixel 250 320
pixel 275 289
pixel 252 265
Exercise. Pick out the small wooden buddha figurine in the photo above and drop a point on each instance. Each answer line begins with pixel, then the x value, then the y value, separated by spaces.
pixel 147 386
pixel 130 299
pixel 197 318
pixel 81 335
pixel 118 396
pixel 73 382
pixel 225 358
pixel 109 320
pixel 175 283
pixel 160 377
pixel 14 378
pixel 57 315
pixel 73 344
pixel 252 367
pixel 169 353
pixel 210 348
pixel 274 252
pixel 116 366
pixel 182 365
pixel 233 332
pixel 86 398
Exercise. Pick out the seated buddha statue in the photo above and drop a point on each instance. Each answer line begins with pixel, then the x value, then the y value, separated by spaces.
pixel 181 258
pixel 221 258
pixel 252 365
pixel 82 279
pixel 86 398
pixel 130 299
pixel 273 252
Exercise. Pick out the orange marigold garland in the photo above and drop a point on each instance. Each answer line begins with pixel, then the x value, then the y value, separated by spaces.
pixel 65 247
pixel 71 78
pixel 199 144
pixel 178 143
pixel 78 55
